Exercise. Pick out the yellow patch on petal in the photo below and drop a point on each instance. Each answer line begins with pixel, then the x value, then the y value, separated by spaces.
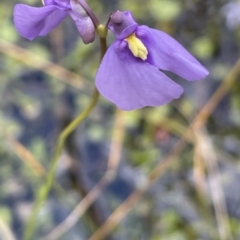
pixel 137 47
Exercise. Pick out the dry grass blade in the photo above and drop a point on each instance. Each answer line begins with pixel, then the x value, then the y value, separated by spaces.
pixel 199 172
pixel 218 95
pixel 210 158
pixel 5 231
pixel 88 200
pixel 199 120
pixel 128 204
pixel 44 65
pixel 23 153
pixel 26 157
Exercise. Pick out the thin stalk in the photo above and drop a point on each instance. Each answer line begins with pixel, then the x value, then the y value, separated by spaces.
pixel 45 189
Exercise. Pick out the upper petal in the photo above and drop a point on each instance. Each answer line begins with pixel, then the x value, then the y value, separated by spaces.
pixel 131 83
pixel 167 54
pixel 83 22
pixel 122 24
pixel 31 22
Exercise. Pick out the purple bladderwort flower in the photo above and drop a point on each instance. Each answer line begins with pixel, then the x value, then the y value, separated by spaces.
pixel 129 74
pixel 31 22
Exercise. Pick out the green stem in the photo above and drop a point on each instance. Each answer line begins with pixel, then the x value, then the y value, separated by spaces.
pixel 44 190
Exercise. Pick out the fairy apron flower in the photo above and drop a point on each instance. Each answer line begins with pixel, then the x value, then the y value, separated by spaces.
pixel 129 74
pixel 39 21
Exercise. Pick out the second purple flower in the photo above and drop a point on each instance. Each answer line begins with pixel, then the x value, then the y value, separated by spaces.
pixel 39 21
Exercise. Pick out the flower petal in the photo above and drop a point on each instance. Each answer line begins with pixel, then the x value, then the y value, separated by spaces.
pixel 31 22
pixel 83 22
pixel 131 83
pixel 62 4
pixel 167 54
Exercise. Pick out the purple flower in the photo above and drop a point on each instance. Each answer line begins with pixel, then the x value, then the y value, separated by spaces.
pixel 129 74
pixel 31 22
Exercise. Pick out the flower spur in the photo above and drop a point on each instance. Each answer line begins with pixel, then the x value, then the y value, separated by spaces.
pixel 129 74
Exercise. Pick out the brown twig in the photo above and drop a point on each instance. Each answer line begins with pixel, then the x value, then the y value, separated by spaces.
pixel 128 204
pixel 88 200
pixel 218 198
pixel 218 95
pixel 157 172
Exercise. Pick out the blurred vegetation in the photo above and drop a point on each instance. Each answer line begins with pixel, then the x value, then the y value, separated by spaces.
pixel 35 105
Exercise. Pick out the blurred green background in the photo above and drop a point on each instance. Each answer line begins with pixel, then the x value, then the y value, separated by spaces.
pixel 45 83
